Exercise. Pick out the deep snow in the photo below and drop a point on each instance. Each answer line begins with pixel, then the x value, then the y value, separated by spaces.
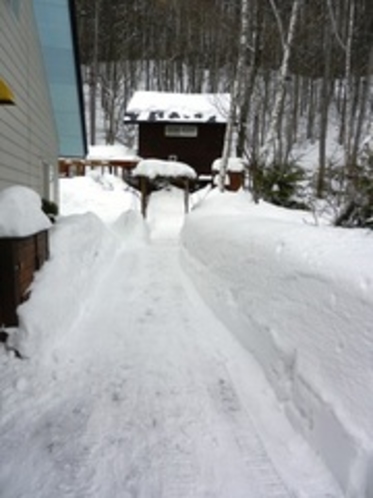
pixel 132 386
pixel 299 297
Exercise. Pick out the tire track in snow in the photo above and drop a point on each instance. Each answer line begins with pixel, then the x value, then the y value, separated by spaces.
pixel 254 455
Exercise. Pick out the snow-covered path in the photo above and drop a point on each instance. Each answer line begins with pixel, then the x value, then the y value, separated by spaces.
pixel 162 402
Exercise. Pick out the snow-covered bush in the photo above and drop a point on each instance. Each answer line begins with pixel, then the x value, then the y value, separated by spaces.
pixel 282 184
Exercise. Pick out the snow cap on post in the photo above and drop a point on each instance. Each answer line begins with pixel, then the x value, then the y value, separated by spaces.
pixel 21 214
pixel 235 165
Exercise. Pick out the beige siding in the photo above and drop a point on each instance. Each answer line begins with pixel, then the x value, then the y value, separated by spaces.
pixel 28 137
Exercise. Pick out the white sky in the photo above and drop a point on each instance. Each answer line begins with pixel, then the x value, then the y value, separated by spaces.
pixel 231 359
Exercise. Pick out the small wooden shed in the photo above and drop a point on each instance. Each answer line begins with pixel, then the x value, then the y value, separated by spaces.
pixel 180 127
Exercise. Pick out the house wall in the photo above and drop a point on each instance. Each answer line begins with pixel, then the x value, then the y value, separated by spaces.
pixel 28 137
pixel 199 152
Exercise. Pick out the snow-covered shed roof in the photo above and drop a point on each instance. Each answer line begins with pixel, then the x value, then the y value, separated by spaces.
pixel 153 168
pixel 178 107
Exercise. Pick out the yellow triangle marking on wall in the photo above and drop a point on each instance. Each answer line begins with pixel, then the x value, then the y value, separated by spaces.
pixel 6 94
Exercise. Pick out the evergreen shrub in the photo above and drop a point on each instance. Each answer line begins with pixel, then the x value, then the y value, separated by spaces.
pixel 50 208
pixel 282 184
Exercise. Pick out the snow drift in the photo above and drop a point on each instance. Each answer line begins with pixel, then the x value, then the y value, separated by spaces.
pixel 82 246
pixel 299 297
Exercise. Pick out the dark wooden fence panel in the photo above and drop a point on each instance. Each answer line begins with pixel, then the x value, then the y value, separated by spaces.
pixel 19 259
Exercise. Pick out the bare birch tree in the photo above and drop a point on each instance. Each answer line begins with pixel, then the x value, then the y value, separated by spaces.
pixel 271 141
pixel 236 93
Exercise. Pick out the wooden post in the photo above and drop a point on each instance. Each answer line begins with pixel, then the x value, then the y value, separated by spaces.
pixel 143 184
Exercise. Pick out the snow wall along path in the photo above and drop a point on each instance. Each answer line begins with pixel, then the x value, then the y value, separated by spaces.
pixel 298 297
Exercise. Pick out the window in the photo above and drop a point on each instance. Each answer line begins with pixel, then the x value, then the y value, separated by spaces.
pixel 188 131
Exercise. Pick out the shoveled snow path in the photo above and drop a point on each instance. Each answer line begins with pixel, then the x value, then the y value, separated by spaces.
pixel 162 403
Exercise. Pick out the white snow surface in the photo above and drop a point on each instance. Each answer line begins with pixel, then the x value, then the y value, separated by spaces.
pixel 103 194
pixel 153 168
pixel 235 165
pixel 113 152
pixel 178 107
pixel 20 212
pixel 196 366
pixel 299 297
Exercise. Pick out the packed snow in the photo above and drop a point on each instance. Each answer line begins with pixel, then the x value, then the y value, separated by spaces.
pixel 20 212
pixel 153 168
pixel 234 165
pixel 178 107
pixel 223 353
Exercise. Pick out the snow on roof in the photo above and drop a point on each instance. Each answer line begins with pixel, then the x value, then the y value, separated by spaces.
pixel 235 165
pixel 178 107
pixel 151 168
pixel 20 212
pixel 110 152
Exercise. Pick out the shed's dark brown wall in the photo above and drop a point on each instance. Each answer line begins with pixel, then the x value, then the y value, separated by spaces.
pixel 198 152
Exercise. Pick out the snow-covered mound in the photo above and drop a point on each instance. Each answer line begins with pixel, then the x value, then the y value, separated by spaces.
pixel 300 298
pixel 81 249
pixel 20 212
pixel 97 222
pixel 103 194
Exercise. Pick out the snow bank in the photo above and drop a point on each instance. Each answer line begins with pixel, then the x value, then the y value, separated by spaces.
pixel 300 298
pixel 20 212
pixel 151 168
pixel 105 195
pixel 81 250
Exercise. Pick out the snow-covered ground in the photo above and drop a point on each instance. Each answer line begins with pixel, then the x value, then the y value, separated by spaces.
pixel 133 386
pixel 299 297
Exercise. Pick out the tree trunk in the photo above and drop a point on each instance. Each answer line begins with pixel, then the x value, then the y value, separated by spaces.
pixel 235 94
pixel 272 135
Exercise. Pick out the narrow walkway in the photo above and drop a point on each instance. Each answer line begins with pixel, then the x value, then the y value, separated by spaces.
pixel 164 403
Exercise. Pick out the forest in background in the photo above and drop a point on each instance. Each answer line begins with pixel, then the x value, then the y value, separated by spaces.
pixel 300 71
